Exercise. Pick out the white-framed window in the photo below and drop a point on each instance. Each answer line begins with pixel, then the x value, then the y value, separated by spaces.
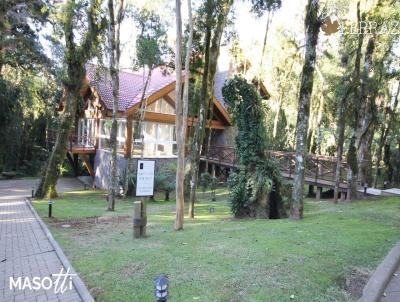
pixel 161 106
pixel 159 140
pixel 105 131
pixel 86 132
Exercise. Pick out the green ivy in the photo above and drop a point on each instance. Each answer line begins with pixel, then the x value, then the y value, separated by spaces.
pixel 258 174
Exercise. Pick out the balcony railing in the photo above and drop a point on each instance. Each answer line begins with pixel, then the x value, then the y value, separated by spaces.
pixel 75 142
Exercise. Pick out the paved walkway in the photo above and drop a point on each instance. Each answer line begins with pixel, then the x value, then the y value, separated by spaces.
pixel 392 291
pixel 25 250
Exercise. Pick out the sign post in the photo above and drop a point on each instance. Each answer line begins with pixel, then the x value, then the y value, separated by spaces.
pixel 144 187
pixel 145 178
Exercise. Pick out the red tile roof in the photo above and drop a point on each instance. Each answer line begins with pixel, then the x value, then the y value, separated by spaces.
pixel 130 85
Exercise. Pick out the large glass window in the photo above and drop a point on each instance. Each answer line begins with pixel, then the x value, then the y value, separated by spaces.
pixel 161 106
pixel 86 132
pixel 159 140
pixel 105 131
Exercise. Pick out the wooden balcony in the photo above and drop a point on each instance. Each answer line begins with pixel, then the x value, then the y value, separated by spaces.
pixel 77 144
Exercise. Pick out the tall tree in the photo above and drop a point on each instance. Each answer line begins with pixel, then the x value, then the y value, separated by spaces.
pixel 312 26
pixel 20 22
pixel 75 57
pixel 259 7
pixel 212 42
pixel 386 127
pixel 351 88
pixel 365 125
pixel 115 19
pixel 150 48
pixel 181 108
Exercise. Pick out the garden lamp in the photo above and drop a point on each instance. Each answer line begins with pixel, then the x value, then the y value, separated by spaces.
pixel 161 289
pixel 50 203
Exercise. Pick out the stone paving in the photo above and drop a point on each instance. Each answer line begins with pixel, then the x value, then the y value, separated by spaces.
pixel 392 291
pixel 25 250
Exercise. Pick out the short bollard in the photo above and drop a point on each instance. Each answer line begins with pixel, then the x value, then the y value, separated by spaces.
pixel 50 208
pixel 139 219
pixel 161 289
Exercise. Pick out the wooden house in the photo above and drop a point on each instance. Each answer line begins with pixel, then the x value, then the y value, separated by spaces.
pixel 91 138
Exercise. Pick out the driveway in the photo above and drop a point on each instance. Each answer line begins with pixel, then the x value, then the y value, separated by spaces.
pixel 19 188
pixel 26 252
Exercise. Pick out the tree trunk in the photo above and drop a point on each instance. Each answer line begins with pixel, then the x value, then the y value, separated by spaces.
pixel 75 58
pixel 365 125
pixel 351 153
pixel 341 124
pixel 202 111
pixel 386 127
pixel 181 110
pixel 114 54
pixel 340 141
pixel 47 186
pixel 210 68
pixel 312 26
pixel 264 46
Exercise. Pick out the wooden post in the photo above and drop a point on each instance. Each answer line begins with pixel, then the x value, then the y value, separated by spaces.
pixel 128 137
pixel 143 229
pixel 342 196
pixel 139 219
pixel 348 195
pixel 318 195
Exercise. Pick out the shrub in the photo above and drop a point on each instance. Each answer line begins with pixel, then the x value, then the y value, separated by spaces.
pixel 165 179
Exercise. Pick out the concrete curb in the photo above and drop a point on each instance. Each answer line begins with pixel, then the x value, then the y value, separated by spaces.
pixel 77 281
pixel 376 285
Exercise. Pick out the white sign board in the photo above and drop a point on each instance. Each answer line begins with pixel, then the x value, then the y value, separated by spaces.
pixel 145 178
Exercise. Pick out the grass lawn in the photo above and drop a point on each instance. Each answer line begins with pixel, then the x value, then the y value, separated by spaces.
pixel 325 257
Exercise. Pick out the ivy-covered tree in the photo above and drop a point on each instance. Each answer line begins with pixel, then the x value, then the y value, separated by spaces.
pixel 255 188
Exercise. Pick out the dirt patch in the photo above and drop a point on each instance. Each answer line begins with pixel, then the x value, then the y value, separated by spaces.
pixel 132 268
pixel 87 222
pixel 96 292
pixel 355 282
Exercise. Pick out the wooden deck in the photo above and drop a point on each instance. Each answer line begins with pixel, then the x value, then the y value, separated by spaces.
pixel 319 170
pixel 81 149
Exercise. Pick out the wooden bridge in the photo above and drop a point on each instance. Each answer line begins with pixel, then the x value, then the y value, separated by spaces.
pixel 320 170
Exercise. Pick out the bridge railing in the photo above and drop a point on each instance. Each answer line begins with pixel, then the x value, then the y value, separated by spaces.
pixel 319 167
pixel 221 154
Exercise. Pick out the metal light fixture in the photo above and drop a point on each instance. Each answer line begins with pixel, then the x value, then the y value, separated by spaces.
pixel 161 289
pixel 50 203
